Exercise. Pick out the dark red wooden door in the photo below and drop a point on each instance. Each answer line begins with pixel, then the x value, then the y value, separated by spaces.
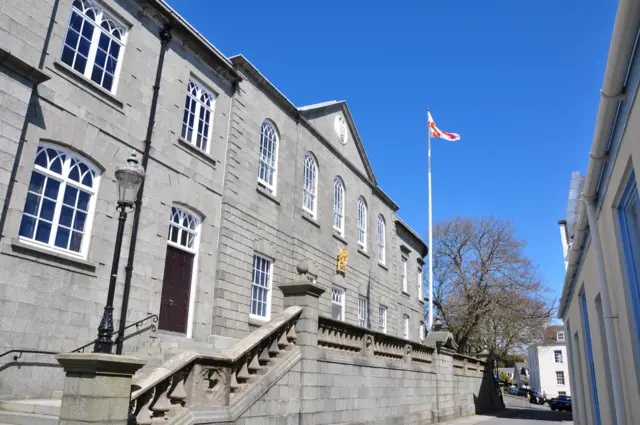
pixel 176 288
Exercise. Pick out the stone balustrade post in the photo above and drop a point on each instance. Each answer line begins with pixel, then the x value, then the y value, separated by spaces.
pixel 303 293
pixel 97 388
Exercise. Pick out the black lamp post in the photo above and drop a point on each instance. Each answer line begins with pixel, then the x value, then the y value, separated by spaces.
pixel 129 179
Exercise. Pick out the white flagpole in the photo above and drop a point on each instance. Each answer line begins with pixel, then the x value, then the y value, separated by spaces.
pixel 430 321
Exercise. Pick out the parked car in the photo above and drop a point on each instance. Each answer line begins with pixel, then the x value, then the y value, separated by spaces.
pixel 562 402
pixel 512 391
pixel 534 396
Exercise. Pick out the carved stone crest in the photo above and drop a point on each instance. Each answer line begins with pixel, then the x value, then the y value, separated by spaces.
pixel 343 259
pixel 209 386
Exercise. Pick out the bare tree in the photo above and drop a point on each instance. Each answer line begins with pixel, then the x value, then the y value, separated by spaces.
pixel 486 290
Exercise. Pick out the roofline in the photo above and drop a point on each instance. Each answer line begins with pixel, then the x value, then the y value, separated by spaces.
pixel 356 134
pixel 414 234
pixel 622 53
pixel 175 18
pixel 241 61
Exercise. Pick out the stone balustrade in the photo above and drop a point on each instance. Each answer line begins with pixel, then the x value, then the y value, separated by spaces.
pixel 353 340
pixel 196 380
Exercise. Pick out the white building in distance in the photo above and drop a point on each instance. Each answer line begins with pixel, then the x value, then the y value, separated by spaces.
pixel 548 364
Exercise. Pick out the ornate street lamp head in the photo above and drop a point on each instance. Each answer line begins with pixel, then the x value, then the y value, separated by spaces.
pixel 129 178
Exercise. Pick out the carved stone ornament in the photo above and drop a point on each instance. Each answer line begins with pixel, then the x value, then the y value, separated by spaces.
pixel 210 386
pixel 343 259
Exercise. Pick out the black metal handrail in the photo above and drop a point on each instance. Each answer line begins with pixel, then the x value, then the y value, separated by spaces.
pixel 20 351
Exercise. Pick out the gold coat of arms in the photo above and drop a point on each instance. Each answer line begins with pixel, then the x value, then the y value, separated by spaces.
pixel 343 259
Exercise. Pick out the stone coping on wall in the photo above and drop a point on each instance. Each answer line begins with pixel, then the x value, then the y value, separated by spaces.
pixel 356 341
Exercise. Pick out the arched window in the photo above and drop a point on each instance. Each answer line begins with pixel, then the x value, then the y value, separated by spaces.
pixel 60 200
pixel 183 229
pixel 310 190
pixel 94 44
pixel 198 116
pixel 268 168
pixel 362 224
pixel 382 255
pixel 338 205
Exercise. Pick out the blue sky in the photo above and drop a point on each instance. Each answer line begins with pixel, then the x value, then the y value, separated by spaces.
pixel 519 81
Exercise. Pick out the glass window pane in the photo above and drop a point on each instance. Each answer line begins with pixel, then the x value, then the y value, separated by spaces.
pixel 103 43
pixel 87 30
pixel 66 216
pixel 76 21
pixel 67 56
pixel 32 204
pixel 70 195
pixel 76 241
pixel 71 41
pixel 96 75
pixel 101 57
pixel 51 188
pixel 107 83
pixel 78 224
pixel 83 201
pixel 115 50
pixel 27 226
pixel 37 182
pixel 47 209
pixel 43 232
pixel 80 65
pixel 62 238
pixel 84 46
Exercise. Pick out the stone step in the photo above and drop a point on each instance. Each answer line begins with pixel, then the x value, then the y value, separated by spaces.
pixel 17 418
pixel 50 407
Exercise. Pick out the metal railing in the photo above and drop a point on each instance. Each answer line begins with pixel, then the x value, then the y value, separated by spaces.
pixel 18 352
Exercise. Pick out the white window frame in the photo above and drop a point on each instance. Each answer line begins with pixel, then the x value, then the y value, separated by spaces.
pixel 363 311
pixel 257 257
pixel 403 270
pixel 338 297
pixel 362 224
pixel 310 185
pixel 382 319
pixel 420 285
pixel 405 330
pixel 338 205
pixel 197 99
pixel 64 181
pixel 382 228
pixel 560 376
pixel 181 212
pixel 560 336
pixel 100 17
pixel 263 160
pixel 557 356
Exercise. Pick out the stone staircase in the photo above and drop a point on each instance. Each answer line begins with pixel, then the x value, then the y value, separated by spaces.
pixel 46 411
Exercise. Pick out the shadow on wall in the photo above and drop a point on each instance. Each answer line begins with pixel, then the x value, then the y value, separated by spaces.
pixel 489 398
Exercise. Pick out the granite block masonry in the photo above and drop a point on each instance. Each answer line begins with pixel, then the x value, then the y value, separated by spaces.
pixel 97 388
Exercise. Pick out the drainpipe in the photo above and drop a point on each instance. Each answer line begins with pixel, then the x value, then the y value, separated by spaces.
pixel 612 349
pixel 165 38
pixel 25 125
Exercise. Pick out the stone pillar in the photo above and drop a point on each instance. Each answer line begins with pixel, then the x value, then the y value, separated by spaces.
pixel 97 388
pixel 303 293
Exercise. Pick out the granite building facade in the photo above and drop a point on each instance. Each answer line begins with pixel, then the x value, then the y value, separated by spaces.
pixel 241 187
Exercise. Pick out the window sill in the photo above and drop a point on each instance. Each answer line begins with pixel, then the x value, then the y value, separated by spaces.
pixel 384 266
pixel 363 252
pixel 264 192
pixel 83 82
pixel 197 152
pixel 311 220
pixel 406 294
pixel 258 321
pixel 50 257
pixel 339 237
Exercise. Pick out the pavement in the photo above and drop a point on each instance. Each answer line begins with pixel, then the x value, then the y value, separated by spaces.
pixel 533 415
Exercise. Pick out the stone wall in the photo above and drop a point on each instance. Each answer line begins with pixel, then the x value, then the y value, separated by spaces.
pixel 51 299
